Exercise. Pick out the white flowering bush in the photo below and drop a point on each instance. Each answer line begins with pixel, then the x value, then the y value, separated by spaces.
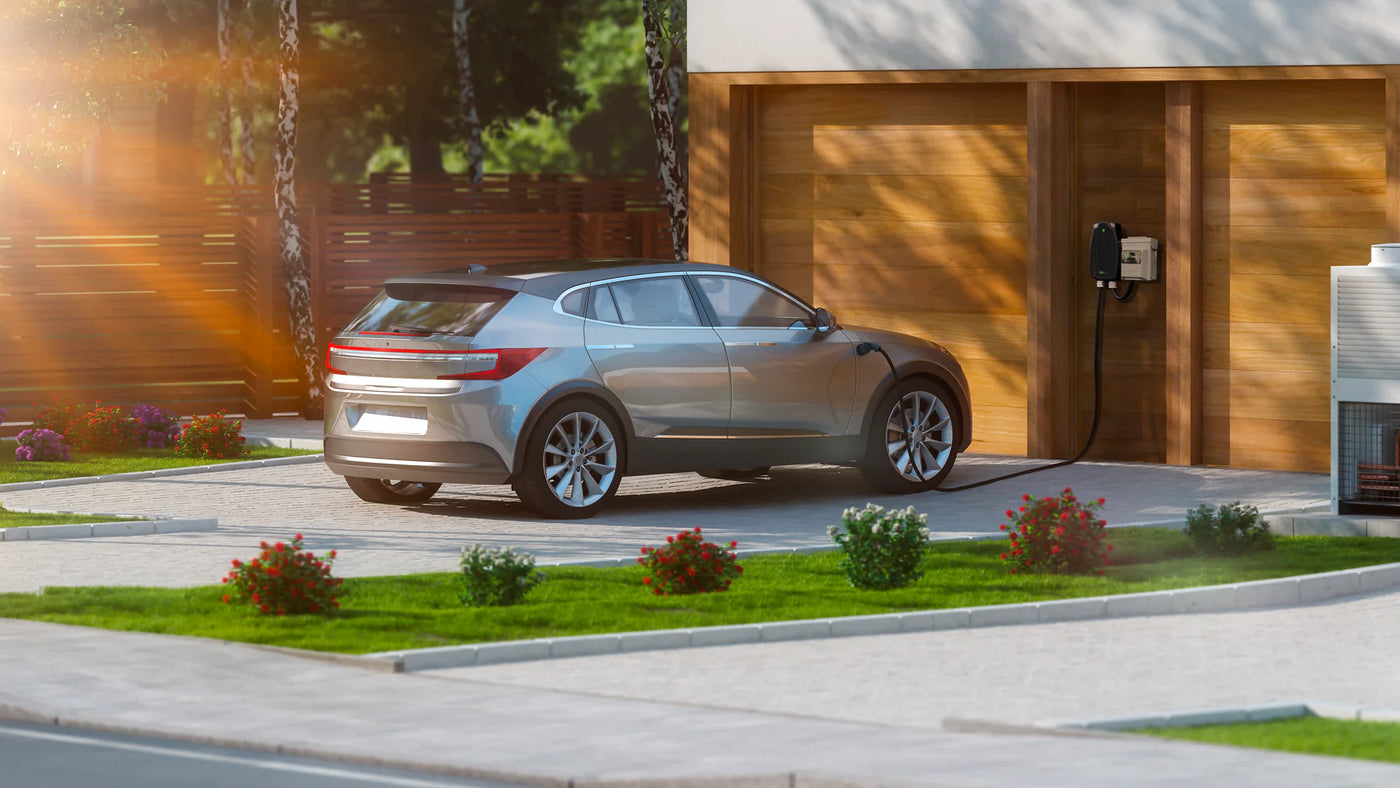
pixel 881 549
pixel 496 577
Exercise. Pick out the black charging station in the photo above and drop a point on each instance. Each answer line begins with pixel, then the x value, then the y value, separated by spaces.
pixel 1106 252
pixel 1106 267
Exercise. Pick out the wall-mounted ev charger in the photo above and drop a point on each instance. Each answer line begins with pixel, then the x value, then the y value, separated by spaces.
pixel 1113 259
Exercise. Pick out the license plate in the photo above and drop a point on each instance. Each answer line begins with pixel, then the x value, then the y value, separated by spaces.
pixel 389 420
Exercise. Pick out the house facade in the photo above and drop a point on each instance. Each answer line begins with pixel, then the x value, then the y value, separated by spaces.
pixel 935 167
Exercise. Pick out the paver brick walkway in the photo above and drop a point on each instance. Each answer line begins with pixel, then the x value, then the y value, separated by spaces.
pixel 793 508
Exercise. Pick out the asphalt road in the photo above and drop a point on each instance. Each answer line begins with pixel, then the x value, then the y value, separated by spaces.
pixel 36 756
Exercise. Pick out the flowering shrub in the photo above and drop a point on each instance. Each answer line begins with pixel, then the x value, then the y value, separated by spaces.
pixel 496 577
pixel 211 437
pixel 284 579
pixel 156 428
pixel 881 550
pixel 1235 529
pixel 103 430
pixel 59 416
pixel 40 445
pixel 689 565
pixel 1061 535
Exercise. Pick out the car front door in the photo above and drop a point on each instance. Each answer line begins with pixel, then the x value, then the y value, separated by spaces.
pixel 649 344
pixel 788 379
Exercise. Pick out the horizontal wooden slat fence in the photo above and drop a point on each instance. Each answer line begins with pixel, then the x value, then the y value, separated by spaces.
pixel 180 302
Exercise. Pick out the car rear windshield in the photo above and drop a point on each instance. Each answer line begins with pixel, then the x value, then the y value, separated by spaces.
pixel 428 309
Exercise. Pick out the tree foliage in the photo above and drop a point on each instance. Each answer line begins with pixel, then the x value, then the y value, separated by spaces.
pixel 379 70
pixel 65 62
pixel 610 130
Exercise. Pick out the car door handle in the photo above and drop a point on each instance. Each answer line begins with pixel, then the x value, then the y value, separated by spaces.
pixel 750 344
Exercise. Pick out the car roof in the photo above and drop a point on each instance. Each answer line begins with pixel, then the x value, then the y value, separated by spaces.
pixel 550 278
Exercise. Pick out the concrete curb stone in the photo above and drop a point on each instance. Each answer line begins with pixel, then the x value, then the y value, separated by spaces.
pixel 273 462
pixel 1230 716
pixel 104 528
pixel 1242 596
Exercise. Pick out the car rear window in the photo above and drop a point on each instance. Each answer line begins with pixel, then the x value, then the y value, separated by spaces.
pixel 427 309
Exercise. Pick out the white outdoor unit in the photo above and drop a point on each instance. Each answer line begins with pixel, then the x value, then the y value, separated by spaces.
pixel 1366 385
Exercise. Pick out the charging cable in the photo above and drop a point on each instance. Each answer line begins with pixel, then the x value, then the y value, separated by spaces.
pixel 865 348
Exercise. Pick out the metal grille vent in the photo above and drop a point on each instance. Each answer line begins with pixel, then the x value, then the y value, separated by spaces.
pixel 1368 454
pixel 1367 314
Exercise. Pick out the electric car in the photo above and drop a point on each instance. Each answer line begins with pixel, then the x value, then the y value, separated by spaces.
pixel 561 377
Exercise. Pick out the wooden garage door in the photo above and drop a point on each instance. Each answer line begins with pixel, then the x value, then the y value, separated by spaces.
pixel 904 207
pixel 1295 184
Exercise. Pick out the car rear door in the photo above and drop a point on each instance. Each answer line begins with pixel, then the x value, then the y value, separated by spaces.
pixel 648 342
pixel 788 380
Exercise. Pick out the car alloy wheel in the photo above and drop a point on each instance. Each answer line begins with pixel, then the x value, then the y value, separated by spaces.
pixel 919 436
pixel 911 444
pixel 391 491
pixel 573 462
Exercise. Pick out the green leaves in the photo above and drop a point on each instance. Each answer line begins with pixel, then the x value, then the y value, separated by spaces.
pixel 65 65
pixel 496 578
pixel 1231 530
pixel 881 550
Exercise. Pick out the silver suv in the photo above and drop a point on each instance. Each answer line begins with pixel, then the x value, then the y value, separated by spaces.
pixel 560 377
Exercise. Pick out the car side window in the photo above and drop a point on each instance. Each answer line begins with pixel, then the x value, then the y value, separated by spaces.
pixel 663 301
pixel 602 306
pixel 741 303
pixel 573 303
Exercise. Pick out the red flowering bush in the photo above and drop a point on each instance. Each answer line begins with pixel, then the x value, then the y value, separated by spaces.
pixel 59 416
pixel 102 430
pixel 689 565
pixel 1061 535
pixel 213 437
pixel 284 579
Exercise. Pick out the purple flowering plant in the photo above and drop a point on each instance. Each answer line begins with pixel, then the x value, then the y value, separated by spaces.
pixel 156 428
pixel 41 445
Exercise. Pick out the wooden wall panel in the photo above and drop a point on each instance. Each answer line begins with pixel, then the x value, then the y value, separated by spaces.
pixel 904 207
pixel 1122 178
pixel 1295 182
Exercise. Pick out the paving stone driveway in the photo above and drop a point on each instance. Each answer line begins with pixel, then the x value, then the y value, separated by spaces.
pixel 793 508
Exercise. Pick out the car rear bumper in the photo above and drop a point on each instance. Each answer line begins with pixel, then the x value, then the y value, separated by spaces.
pixel 419 461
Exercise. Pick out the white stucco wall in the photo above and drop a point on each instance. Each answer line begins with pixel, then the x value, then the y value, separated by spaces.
pixel 866 35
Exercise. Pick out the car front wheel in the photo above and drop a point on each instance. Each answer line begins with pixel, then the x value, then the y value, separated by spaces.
pixel 390 491
pixel 913 442
pixel 573 461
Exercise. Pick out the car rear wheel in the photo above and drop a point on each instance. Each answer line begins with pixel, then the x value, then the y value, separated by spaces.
pixel 913 442
pixel 390 491
pixel 573 461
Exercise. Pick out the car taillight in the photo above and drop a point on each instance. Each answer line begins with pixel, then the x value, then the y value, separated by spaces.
pixel 507 362
pixel 328 363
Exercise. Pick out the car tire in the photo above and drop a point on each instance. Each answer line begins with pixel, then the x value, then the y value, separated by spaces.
pixel 389 491
pixel 573 460
pixel 887 465
pixel 736 474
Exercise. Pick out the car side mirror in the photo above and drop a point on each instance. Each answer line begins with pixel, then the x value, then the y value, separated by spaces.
pixel 825 322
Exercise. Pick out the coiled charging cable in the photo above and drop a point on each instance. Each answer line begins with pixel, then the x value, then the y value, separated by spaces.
pixel 867 347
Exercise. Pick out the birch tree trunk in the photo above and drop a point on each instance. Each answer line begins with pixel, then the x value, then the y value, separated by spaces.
pixel 246 105
pixel 662 125
pixel 225 101
pixel 466 93
pixel 294 267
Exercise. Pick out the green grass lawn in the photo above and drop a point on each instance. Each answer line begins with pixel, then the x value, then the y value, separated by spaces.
pixel 416 611
pixel 12 470
pixel 15 519
pixel 1376 741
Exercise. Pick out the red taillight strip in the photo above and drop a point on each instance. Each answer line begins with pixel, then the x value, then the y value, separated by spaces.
pixel 508 362
pixel 401 350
